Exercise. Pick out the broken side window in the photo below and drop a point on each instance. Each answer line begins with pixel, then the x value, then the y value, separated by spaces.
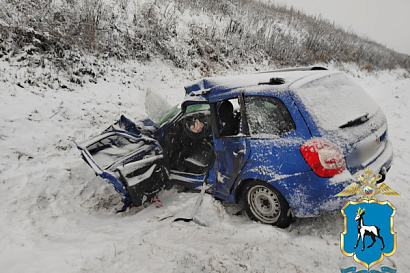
pixel 229 117
pixel 268 116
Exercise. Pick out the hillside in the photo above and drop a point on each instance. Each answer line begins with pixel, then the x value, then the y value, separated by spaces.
pixel 69 40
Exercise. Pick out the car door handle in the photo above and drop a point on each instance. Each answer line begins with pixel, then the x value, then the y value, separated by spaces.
pixel 238 153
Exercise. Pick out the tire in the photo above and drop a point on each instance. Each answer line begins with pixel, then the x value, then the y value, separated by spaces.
pixel 265 204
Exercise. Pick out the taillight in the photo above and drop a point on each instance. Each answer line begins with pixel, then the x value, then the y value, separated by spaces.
pixel 325 158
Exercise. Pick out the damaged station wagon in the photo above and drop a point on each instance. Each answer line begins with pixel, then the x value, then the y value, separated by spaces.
pixel 281 143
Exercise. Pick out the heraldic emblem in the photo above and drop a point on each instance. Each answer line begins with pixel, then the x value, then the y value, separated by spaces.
pixel 368 233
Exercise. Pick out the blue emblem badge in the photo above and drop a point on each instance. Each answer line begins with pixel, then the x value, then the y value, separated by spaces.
pixel 368 233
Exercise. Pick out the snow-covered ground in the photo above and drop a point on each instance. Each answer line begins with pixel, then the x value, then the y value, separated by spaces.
pixel 57 216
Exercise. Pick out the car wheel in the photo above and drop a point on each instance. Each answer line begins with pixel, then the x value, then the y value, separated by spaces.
pixel 265 204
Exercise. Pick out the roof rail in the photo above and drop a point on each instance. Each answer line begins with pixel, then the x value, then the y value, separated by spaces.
pixel 308 68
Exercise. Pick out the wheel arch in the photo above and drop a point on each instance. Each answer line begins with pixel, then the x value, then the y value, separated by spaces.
pixel 276 184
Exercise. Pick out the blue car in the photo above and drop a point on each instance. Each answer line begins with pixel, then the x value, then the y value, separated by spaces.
pixel 281 143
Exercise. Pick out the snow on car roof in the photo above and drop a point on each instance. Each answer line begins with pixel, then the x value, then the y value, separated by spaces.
pixel 330 96
pixel 222 86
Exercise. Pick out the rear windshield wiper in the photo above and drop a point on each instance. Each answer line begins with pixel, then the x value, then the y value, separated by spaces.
pixel 358 121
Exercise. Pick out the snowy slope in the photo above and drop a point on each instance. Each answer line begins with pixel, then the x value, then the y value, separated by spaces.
pixel 57 216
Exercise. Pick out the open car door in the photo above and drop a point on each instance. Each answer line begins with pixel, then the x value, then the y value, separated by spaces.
pixel 232 147
pixel 128 157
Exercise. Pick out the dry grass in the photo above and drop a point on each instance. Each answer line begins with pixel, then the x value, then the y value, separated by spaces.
pixel 232 34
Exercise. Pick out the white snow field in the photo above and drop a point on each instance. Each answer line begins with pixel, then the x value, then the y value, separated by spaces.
pixel 57 216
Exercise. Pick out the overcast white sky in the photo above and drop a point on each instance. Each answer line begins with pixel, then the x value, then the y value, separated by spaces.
pixel 384 21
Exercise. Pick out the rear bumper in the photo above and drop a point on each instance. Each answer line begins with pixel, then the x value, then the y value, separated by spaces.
pixel 383 162
pixel 309 195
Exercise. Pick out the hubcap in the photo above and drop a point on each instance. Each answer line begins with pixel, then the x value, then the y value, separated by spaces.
pixel 264 204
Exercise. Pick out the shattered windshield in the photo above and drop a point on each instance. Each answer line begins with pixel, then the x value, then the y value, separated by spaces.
pixel 169 115
pixel 195 108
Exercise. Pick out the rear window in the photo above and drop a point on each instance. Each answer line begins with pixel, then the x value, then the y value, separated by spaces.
pixel 336 100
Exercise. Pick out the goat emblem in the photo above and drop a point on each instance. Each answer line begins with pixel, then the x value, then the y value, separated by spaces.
pixel 363 230
pixel 357 214
pixel 378 213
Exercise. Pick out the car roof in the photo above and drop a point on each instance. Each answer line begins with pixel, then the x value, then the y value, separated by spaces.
pixel 218 88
